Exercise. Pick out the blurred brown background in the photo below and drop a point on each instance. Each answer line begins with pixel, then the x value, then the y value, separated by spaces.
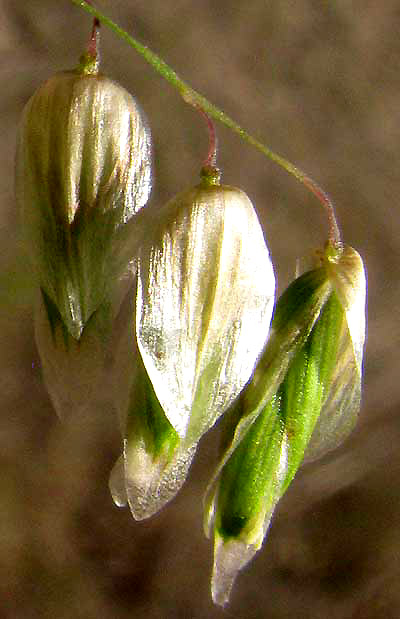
pixel 319 83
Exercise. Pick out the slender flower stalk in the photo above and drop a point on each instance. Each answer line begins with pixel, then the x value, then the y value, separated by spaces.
pixel 192 97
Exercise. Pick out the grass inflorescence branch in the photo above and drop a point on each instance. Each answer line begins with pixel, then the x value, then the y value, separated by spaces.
pixel 196 99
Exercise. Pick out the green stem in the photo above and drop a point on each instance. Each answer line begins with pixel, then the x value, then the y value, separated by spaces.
pixel 196 99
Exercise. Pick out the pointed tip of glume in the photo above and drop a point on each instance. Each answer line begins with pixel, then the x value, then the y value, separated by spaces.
pixel 151 484
pixel 229 558
pixel 117 484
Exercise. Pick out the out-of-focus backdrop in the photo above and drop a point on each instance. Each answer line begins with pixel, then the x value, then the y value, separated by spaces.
pixel 319 83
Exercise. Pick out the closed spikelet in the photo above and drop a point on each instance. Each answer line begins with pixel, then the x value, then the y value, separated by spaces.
pixel 205 293
pixel 303 400
pixel 83 171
